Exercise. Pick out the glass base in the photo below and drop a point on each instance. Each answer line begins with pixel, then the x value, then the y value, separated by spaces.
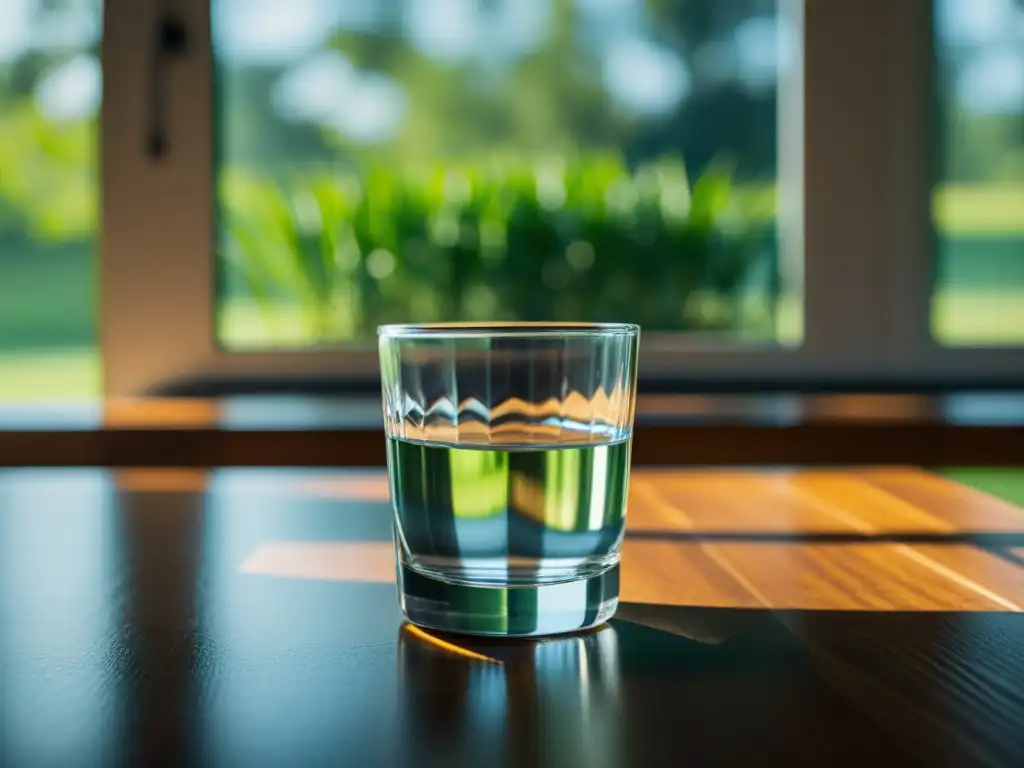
pixel 519 611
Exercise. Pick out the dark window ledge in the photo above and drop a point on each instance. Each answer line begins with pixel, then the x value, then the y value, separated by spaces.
pixel 951 428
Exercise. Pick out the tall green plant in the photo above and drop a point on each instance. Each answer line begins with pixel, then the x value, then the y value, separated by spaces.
pixel 500 240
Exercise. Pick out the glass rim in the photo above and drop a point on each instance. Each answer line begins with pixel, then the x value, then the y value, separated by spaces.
pixel 512 329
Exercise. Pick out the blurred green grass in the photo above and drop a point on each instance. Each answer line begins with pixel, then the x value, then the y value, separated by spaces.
pixel 1004 483
pixel 983 316
pixel 50 375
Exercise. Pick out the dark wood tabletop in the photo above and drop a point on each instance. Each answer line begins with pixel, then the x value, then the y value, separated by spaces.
pixel 248 617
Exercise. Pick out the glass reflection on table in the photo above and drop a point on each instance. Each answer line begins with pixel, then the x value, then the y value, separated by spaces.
pixel 549 701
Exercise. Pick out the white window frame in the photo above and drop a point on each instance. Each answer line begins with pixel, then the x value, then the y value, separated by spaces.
pixel 855 153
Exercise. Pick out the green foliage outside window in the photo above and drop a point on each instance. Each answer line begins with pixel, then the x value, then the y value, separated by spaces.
pixel 584 240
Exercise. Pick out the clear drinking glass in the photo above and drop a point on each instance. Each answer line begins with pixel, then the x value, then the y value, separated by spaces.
pixel 508 457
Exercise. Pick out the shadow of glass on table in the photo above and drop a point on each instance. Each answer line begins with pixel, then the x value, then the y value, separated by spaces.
pixel 665 685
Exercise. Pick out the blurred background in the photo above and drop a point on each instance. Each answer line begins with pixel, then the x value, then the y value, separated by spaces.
pixel 417 160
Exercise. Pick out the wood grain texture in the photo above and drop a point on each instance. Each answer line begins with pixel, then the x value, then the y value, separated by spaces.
pixel 947 686
pixel 876 577
pixel 986 571
pixel 887 539
pixel 647 507
pixel 248 618
pixel 808 540
pixel 679 573
pixel 967 509
pixel 753 502
pixel 874 509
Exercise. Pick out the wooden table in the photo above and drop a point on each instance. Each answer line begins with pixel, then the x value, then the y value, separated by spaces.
pixel 248 617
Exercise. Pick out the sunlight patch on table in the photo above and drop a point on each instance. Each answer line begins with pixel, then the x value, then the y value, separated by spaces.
pixel 371 562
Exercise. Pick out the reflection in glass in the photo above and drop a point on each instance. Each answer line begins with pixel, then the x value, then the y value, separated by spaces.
pixel 489 702
pixel 510 516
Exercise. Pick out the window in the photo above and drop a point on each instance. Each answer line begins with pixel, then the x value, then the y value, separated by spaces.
pixel 433 160
pixel 978 204
pixel 417 144
pixel 49 102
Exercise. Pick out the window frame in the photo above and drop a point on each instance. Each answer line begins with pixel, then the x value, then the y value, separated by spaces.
pixel 856 109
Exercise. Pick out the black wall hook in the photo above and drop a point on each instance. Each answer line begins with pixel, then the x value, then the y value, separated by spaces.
pixel 170 41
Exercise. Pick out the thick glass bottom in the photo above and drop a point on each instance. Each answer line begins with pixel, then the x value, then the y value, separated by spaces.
pixel 514 611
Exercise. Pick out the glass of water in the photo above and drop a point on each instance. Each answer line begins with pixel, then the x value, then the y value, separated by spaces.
pixel 508 458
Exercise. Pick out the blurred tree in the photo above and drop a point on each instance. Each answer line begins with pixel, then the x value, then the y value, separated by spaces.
pixel 547 100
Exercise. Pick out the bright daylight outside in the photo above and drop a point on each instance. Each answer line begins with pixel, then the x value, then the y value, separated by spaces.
pixel 978 205
pixel 415 160
pixel 429 160
pixel 49 106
